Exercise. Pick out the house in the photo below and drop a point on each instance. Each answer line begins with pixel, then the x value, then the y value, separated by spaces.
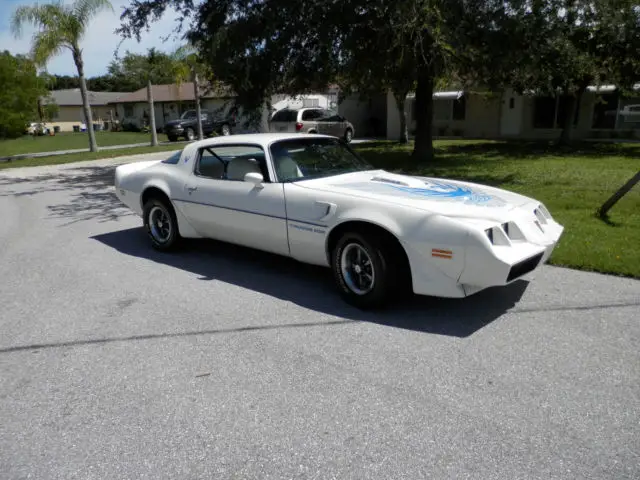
pixel 169 102
pixel 71 114
pixel 602 113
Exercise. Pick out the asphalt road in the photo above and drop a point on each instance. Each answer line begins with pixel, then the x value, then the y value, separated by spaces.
pixel 117 362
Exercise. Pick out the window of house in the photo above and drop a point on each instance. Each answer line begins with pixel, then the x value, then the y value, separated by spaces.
pixel 128 110
pixel 550 112
pixel 310 102
pixel 605 111
pixel 563 111
pixel 459 108
pixel 442 109
pixel 544 112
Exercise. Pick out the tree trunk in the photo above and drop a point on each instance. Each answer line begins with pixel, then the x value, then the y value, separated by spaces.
pixel 423 146
pixel 196 95
pixel 566 136
pixel 152 116
pixel 606 206
pixel 400 102
pixel 88 118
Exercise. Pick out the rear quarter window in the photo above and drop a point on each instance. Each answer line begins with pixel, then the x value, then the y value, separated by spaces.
pixel 173 159
pixel 285 116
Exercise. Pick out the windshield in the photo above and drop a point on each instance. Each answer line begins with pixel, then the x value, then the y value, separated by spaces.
pixel 306 158
pixel 188 114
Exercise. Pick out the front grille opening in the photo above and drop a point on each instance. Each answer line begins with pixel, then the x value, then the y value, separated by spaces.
pixel 540 216
pixel 524 267
pixel 489 233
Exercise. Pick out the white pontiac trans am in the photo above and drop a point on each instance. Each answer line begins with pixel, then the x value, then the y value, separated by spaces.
pixel 312 198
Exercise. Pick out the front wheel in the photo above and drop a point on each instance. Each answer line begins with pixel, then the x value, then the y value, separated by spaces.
pixel 190 134
pixel 161 224
pixel 364 270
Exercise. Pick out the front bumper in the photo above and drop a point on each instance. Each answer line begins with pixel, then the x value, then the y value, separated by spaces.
pixel 475 262
pixel 174 130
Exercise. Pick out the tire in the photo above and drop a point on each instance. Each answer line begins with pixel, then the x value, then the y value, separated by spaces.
pixel 163 238
pixel 225 130
pixel 172 138
pixel 190 134
pixel 382 275
pixel 348 135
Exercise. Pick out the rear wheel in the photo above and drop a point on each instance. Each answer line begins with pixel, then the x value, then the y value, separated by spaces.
pixel 160 224
pixel 348 135
pixel 226 130
pixel 366 270
pixel 190 134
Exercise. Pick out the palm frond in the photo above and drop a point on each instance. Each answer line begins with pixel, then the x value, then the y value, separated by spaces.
pixel 46 16
pixel 85 10
pixel 46 44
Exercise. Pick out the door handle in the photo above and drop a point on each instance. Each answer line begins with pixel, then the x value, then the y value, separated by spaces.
pixel 191 189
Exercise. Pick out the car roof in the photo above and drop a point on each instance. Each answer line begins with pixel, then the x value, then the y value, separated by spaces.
pixel 260 138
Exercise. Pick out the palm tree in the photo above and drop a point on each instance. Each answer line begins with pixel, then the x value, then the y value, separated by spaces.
pixel 61 26
pixel 187 66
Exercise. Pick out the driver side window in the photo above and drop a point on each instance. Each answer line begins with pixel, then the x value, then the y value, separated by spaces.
pixel 231 162
pixel 209 165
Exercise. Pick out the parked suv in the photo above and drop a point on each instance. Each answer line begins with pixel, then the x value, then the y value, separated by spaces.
pixel 187 126
pixel 312 120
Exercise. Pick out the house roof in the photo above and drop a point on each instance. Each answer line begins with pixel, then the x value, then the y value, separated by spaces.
pixel 173 93
pixel 72 97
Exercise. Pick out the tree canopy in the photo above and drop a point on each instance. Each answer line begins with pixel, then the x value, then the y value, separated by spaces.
pixel 286 46
pixel 20 88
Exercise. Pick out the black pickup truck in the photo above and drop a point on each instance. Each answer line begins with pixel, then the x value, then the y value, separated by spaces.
pixel 187 127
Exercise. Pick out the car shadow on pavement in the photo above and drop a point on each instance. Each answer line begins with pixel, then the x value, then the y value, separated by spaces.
pixel 312 287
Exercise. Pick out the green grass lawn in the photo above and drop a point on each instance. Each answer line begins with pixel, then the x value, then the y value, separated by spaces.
pixel 71 141
pixel 572 183
pixel 84 156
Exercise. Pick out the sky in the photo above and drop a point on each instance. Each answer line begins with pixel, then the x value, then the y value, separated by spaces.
pixel 99 42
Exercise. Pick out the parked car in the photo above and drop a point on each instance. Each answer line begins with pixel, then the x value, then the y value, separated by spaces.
pixel 312 120
pixel 37 128
pixel 187 125
pixel 312 198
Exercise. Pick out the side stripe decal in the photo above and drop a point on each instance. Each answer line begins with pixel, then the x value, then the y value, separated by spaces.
pixel 251 212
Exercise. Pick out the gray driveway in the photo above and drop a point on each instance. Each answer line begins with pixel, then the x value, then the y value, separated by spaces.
pixel 220 362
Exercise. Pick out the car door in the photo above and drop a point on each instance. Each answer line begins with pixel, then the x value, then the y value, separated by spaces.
pixel 220 204
pixel 207 121
pixel 329 122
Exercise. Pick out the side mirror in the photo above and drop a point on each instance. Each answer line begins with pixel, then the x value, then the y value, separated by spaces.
pixel 255 178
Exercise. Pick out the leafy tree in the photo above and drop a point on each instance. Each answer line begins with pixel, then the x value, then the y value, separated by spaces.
pixel 131 71
pixel 20 89
pixel 144 71
pixel 62 26
pixel 289 46
pixel 64 82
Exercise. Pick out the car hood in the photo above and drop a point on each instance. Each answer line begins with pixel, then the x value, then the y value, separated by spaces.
pixel 442 196
pixel 173 123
